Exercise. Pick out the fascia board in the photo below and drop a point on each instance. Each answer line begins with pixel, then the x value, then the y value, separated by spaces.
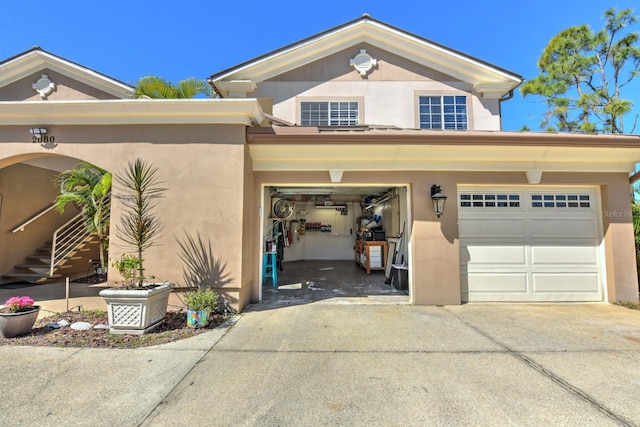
pixel 439 58
pixel 498 158
pixel 292 58
pixel 32 62
pixel 402 43
pixel 132 111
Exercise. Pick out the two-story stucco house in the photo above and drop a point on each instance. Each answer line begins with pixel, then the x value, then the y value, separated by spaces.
pixel 363 119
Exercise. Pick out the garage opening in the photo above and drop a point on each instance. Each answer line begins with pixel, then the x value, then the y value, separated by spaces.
pixel 322 242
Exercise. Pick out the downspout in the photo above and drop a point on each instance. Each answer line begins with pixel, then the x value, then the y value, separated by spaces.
pixel 504 98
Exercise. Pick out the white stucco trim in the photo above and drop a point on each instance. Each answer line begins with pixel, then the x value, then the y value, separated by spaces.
pixel 132 111
pixel 389 157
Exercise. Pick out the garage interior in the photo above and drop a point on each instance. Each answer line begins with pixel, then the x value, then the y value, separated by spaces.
pixel 335 242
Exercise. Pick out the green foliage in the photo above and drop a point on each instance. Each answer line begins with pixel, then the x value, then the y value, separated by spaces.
pixel 139 226
pixel 129 267
pixel 583 74
pixel 160 88
pixel 88 187
pixel 627 304
pixel 201 299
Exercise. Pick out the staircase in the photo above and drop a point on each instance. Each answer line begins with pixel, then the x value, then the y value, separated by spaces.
pixel 45 265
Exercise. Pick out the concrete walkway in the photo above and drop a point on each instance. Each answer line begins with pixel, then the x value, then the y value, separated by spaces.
pixel 348 364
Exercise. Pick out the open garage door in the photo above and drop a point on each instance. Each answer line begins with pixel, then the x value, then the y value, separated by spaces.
pixel 530 244
pixel 335 240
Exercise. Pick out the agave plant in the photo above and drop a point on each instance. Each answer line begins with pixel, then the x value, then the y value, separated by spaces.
pixel 139 226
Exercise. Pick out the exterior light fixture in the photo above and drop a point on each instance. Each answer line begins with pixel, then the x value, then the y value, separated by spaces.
pixel 438 200
pixel 38 131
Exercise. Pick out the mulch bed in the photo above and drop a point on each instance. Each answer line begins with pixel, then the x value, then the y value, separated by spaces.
pixel 172 328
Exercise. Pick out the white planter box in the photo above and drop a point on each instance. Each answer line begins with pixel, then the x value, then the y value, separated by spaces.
pixel 136 311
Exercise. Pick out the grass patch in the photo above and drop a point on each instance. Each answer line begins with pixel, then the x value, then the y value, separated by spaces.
pixel 631 305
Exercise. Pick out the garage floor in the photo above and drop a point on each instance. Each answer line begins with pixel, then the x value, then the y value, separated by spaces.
pixel 302 282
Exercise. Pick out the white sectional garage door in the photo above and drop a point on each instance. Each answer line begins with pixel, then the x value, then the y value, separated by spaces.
pixel 530 244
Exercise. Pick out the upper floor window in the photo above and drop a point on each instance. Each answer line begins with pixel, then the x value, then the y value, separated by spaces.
pixel 329 113
pixel 443 112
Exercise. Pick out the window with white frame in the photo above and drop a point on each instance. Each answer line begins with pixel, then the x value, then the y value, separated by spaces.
pixel 329 113
pixel 443 112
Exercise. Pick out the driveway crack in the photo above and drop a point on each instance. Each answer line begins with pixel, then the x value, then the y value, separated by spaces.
pixel 550 375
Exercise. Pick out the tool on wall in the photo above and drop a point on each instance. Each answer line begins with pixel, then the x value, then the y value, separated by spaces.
pixel 283 208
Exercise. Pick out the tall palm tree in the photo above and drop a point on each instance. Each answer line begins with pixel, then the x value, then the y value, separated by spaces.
pixel 89 188
pixel 160 88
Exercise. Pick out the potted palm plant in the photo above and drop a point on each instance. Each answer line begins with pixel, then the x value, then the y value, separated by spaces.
pixel 138 306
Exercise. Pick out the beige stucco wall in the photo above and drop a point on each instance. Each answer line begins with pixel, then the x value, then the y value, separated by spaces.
pixel 26 191
pixel 201 166
pixel 66 89
pixel 388 94
pixel 435 259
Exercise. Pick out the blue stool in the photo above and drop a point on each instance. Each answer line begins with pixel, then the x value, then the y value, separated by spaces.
pixel 269 261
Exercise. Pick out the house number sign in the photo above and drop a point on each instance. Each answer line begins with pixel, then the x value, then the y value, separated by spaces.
pixel 43 139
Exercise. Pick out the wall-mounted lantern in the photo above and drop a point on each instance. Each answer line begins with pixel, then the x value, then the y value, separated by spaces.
pixel 438 200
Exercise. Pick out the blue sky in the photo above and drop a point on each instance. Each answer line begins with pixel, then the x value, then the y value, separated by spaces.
pixel 196 38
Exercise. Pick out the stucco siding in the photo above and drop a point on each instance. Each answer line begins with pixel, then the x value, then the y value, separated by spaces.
pixel 26 191
pixel 435 258
pixel 66 89
pixel 202 168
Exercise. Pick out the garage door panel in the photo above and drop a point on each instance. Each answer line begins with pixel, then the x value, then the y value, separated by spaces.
pixel 500 282
pixel 563 255
pixel 492 255
pixel 546 248
pixel 512 228
pixel 565 283
pixel 560 228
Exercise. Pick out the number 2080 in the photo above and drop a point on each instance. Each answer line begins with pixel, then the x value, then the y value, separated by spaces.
pixel 41 139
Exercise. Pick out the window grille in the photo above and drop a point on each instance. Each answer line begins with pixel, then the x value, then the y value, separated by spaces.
pixel 329 113
pixel 443 112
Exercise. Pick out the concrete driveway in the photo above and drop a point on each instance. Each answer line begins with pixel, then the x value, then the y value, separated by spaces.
pixel 331 363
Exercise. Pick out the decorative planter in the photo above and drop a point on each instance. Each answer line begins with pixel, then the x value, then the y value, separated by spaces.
pixel 15 324
pixel 136 311
pixel 197 318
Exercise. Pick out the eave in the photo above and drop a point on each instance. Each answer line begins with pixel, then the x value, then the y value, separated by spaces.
pixel 36 60
pixel 132 111
pixel 480 74
pixel 307 149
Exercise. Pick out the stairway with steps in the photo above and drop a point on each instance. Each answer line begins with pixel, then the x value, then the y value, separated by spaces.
pixel 38 268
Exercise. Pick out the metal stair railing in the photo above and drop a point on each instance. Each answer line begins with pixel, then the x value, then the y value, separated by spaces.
pixel 33 218
pixel 68 237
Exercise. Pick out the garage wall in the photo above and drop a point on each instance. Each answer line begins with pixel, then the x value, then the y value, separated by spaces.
pixel 434 254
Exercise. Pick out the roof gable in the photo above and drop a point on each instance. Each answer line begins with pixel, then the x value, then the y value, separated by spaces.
pixel 485 78
pixel 36 59
pixel 336 67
